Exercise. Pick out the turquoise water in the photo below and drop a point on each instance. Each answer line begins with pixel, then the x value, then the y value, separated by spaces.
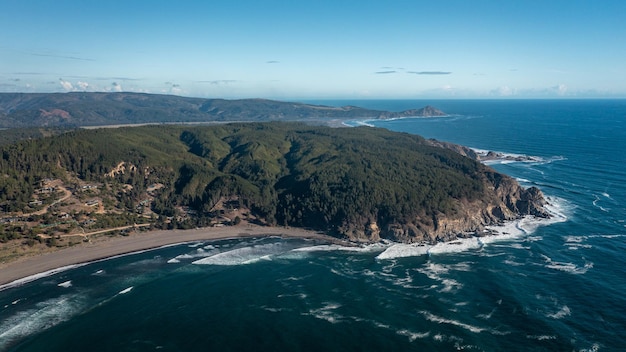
pixel 544 286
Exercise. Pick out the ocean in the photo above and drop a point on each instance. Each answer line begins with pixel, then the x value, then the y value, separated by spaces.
pixel 556 285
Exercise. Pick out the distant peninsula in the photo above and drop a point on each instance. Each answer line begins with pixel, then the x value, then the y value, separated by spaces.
pixel 81 109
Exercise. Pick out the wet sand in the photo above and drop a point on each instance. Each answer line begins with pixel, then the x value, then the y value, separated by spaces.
pixel 91 251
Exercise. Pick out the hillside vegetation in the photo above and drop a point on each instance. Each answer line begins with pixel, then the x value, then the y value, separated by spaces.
pixel 21 110
pixel 361 183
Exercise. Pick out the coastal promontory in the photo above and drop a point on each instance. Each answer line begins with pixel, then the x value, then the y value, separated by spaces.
pixel 80 109
pixel 361 184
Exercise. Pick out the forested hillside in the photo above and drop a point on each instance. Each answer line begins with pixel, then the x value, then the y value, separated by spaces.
pixel 356 182
pixel 99 109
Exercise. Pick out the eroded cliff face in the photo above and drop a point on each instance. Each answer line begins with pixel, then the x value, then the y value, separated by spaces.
pixel 504 200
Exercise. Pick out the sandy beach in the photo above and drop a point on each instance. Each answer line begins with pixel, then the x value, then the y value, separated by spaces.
pixel 91 251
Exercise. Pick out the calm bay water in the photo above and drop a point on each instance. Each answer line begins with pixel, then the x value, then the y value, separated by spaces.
pixel 545 286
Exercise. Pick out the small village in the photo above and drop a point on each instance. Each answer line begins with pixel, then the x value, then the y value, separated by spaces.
pixel 65 213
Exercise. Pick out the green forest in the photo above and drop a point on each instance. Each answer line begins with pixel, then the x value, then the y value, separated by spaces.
pixel 292 174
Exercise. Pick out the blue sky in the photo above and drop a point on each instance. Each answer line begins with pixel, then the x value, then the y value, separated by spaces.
pixel 317 49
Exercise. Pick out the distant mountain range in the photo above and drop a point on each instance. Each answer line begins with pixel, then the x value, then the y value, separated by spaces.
pixel 100 109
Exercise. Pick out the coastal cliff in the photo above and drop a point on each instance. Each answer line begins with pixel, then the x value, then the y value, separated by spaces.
pixel 504 200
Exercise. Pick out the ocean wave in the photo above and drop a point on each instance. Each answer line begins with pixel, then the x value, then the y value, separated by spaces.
pixel 246 255
pixel 195 245
pixel 488 315
pixel 125 291
pixel 509 230
pixel 31 278
pixel 435 271
pixel 327 312
pixel 364 249
pixel 413 335
pixel 45 315
pixel 439 320
pixel 541 337
pixel 400 250
pixel 562 313
pixel 596 201
pixel 576 242
pixel 65 284
pixel 203 252
pixel 567 267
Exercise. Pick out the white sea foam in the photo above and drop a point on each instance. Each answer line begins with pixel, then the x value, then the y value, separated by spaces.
pixel 65 284
pixel 450 285
pixel 595 204
pixel 401 250
pixel 437 319
pixel 562 313
pixel 566 266
pixel 413 335
pixel 301 296
pixel 512 262
pixel 460 245
pixel 369 248
pixel 570 267
pixel 558 208
pixel 541 337
pixel 594 348
pixel 574 239
pixel 576 242
pixel 327 313
pixel 204 252
pixel 509 230
pixel 126 290
pixel 488 315
pixel 245 255
pixel 435 271
pixel 45 315
pixel 31 278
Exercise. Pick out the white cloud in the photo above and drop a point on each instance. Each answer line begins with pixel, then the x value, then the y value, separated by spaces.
pixel 116 87
pixel 561 89
pixel 66 85
pixel 504 91
pixel 82 85
pixel 173 89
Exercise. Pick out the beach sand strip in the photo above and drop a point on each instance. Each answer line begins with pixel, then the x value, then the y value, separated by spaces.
pixel 92 251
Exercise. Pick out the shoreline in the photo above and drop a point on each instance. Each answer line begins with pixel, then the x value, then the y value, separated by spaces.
pixel 17 272
pixel 30 268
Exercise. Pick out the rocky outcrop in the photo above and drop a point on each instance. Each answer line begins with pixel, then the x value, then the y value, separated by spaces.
pixel 506 201
pixel 427 111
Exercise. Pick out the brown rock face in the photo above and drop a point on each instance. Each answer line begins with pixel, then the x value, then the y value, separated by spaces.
pixel 504 200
